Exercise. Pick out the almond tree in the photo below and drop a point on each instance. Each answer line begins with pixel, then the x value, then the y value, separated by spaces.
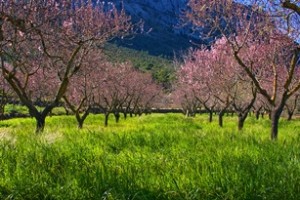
pixel 79 97
pixel 186 89
pixel 223 78
pixel 106 96
pixel 243 100
pixel 144 92
pixel 240 92
pixel 187 98
pixel 269 25
pixel 195 81
pixel 51 38
pixel 211 75
pixel 214 75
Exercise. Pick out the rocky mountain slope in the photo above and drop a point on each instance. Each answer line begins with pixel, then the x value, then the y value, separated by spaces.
pixel 163 32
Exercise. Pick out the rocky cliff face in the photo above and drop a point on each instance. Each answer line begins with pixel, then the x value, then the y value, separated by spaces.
pixel 163 32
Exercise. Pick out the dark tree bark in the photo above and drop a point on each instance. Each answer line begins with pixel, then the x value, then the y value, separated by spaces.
pixel 210 118
pixel 258 112
pixel 243 110
pixel 210 111
pixel 220 117
pixel 117 116
pixel 81 119
pixel 241 120
pixel 40 123
pixel 2 109
pixel 290 115
pixel 66 110
pixel 275 116
pixel 125 114
pixel 106 119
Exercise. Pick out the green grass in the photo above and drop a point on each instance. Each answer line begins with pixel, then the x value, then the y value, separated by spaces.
pixel 15 108
pixel 149 157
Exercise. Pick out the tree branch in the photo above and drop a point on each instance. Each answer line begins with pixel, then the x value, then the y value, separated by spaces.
pixel 291 6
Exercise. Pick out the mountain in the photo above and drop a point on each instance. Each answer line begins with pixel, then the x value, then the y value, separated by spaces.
pixel 163 33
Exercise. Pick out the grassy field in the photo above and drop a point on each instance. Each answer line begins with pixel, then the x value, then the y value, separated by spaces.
pixel 149 157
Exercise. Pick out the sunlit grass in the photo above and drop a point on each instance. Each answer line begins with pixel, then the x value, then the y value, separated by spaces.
pixel 149 157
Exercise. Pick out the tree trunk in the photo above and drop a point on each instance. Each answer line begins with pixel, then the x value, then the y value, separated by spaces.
pixel 125 115
pixel 40 123
pixel 290 115
pixel 2 108
pixel 80 124
pixel 257 113
pixel 81 119
pixel 117 116
pixel 2 111
pixel 275 116
pixel 291 108
pixel 221 114
pixel 241 120
pixel 210 116
pixel 274 125
pixel 106 119
pixel 67 111
pixel 187 113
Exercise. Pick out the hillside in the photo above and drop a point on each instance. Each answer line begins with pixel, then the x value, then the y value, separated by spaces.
pixel 163 32
pixel 161 68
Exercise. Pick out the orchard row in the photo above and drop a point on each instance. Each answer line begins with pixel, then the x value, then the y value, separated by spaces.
pixel 51 53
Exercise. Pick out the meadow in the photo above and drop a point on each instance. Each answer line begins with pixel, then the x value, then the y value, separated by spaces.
pixel 158 156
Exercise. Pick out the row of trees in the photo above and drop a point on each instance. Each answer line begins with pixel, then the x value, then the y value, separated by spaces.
pixel 110 88
pixel 44 43
pixel 212 78
pixel 260 37
pixel 50 52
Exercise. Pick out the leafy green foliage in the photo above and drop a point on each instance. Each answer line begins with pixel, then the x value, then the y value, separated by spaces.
pixel 149 157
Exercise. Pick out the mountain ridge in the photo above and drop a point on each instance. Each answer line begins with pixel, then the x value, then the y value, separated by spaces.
pixel 162 34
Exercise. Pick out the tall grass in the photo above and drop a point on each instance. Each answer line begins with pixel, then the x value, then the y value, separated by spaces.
pixel 149 157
